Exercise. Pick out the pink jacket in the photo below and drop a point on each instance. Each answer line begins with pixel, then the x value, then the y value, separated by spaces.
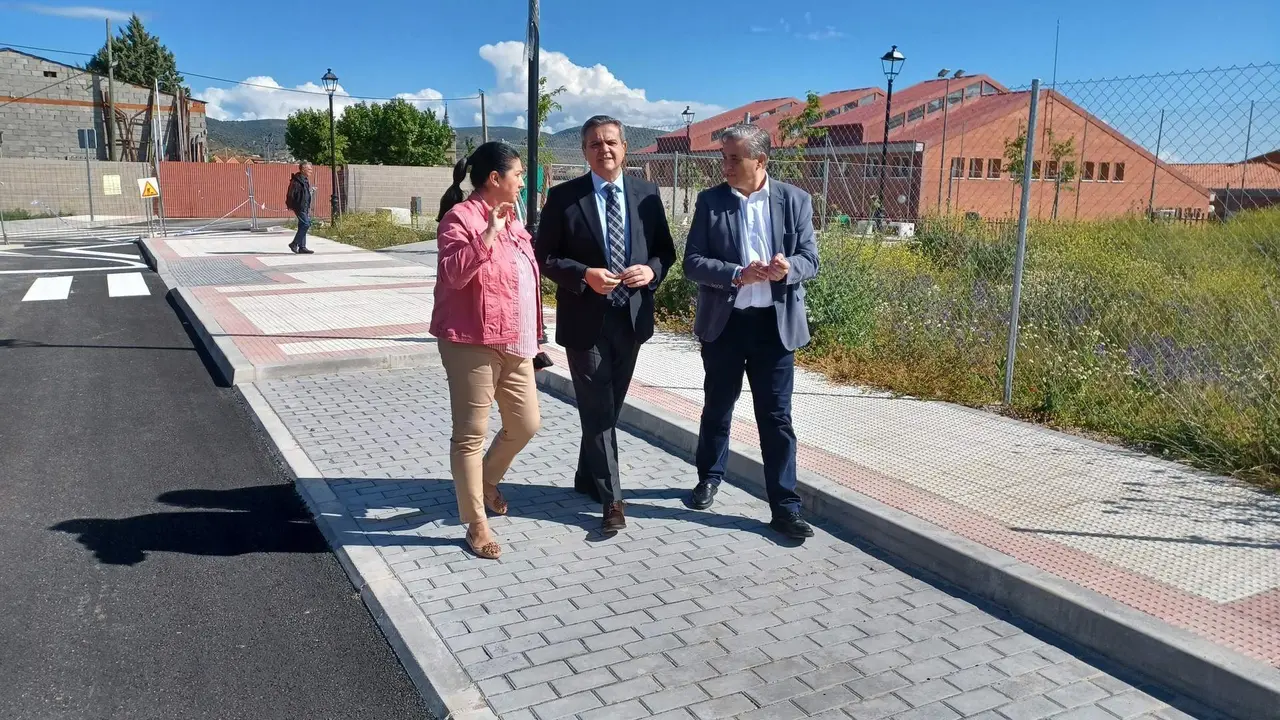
pixel 476 287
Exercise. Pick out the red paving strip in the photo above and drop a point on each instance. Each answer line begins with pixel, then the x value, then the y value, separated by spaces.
pixel 293 287
pixel 1248 626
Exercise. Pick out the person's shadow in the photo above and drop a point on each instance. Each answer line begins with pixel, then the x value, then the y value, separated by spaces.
pixel 259 519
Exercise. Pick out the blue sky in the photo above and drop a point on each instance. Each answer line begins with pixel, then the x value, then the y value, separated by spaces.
pixel 648 63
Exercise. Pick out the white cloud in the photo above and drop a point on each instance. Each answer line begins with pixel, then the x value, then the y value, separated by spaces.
pixel 808 18
pixel 261 97
pixel 757 29
pixel 80 12
pixel 827 33
pixel 588 91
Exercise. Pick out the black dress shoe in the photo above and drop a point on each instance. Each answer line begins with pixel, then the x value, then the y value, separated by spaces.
pixel 306 251
pixel 293 248
pixel 614 520
pixel 792 525
pixel 704 495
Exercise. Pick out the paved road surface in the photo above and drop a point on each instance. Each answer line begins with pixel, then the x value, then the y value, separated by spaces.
pixel 157 563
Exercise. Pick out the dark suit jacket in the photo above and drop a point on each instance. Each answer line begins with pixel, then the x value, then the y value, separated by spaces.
pixel 714 252
pixel 570 241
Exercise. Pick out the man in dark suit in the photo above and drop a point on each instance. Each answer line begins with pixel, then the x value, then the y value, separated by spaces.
pixel 604 240
pixel 751 246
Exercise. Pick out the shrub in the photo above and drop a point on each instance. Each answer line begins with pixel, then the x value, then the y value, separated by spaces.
pixel 373 231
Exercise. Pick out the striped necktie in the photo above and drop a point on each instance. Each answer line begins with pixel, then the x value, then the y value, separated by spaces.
pixel 617 241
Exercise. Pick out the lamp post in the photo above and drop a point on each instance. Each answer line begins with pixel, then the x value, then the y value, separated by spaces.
pixel 688 146
pixel 330 85
pixel 891 62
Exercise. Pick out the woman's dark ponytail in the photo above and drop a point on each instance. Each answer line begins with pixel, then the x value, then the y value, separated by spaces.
pixel 493 156
pixel 453 195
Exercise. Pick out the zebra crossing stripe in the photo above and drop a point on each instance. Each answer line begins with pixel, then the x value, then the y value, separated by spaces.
pixel 49 288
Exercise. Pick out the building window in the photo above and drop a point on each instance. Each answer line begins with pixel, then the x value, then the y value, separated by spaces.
pixel 973 90
pixel 1104 172
pixel 957 167
pixel 975 168
pixel 899 167
pixel 1051 170
pixel 915 114
pixel 51 73
pixel 955 97
pixel 934 105
pixel 1069 170
pixel 994 169
pixel 1088 171
pixel 871 170
pixel 989 89
pixel 1035 170
pixel 897 120
pixel 1119 173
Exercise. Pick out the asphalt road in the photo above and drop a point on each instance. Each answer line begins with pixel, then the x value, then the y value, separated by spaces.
pixel 157 562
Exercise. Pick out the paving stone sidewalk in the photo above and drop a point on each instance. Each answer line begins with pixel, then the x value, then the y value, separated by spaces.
pixel 684 615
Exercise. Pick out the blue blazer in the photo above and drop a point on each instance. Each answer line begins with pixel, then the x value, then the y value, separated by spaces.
pixel 714 251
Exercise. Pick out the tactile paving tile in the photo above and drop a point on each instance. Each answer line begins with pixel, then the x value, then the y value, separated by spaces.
pixel 197 272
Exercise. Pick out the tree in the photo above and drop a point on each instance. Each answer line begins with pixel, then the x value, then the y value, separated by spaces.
pixel 394 133
pixel 306 134
pixel 140 58
pixel 546 105
pixel 1063 171
pixel 796 132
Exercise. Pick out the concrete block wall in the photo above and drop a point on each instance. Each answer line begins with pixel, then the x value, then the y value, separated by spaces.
pixel 57 100
pixel 367 187
pixel 63 187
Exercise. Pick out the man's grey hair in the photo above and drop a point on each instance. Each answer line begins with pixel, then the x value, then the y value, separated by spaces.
pixel 596 121
pixel 755 138
pixel 304 164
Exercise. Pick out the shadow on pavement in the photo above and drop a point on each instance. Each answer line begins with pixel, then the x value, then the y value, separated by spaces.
pixel 261 519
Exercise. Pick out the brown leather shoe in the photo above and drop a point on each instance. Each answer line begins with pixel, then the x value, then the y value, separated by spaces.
pixel 614 520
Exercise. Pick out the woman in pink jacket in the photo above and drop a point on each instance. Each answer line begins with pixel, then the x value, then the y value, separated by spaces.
pixel 487 318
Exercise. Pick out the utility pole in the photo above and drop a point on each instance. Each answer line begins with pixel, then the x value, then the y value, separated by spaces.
pixel 484 121
pixel 531 43
pixel 109 125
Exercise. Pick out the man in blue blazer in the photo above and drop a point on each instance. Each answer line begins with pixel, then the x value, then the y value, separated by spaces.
pixel 750 248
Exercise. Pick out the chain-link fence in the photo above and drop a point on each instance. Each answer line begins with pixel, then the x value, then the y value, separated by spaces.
pixel 1150 294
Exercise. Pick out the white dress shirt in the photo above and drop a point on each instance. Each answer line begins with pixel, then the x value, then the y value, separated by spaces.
pixel 755 231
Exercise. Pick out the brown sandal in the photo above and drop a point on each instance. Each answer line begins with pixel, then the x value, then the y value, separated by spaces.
pixel 496 504
pixel 489 551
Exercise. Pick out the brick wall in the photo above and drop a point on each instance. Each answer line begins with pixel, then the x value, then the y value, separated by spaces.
pixel 44 122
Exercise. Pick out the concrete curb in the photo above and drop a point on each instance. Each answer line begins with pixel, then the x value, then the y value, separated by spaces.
pixel 448 691
pixel 237 369
pixel 1202 671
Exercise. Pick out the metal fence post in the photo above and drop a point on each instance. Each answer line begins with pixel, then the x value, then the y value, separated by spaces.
pixel 4 233
pixel 1028 157
pixel 675 187
pixel 1155 169
pixel 253 204
pixel 826 184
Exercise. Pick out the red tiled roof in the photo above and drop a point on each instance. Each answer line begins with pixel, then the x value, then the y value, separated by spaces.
pixel 906 99
pixel 702 130
pixel 831 101
pixel 1220 176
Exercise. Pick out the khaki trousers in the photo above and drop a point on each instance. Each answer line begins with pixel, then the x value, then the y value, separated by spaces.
pixel 479 375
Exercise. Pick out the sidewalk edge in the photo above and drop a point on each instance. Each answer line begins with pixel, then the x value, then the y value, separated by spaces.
pixel 1202 671
pixel 231 363
pixel 440 680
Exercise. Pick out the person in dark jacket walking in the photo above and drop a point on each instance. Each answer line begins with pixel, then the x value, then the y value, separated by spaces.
pixel 298 199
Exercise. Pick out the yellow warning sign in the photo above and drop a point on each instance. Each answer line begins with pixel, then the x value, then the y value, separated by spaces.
pixel 148 188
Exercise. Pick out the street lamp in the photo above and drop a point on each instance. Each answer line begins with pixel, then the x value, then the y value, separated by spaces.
pixel 330 85
pixel 688 143
pixel 891 62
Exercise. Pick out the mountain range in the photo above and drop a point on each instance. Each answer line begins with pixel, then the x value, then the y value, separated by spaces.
pixel 266 138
